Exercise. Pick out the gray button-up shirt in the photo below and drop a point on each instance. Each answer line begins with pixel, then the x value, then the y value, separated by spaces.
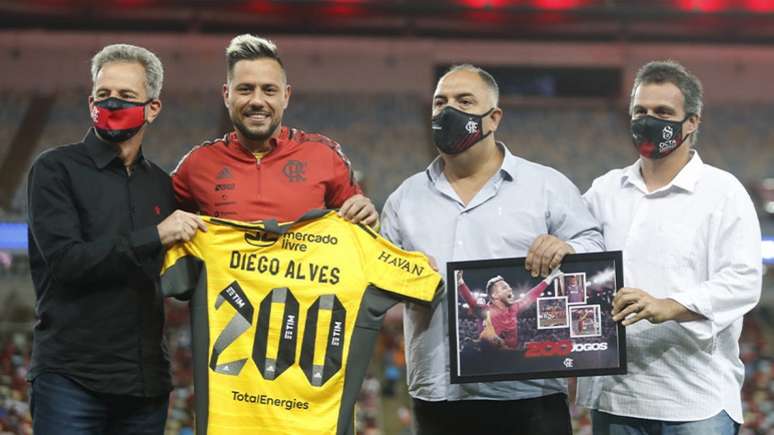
pixel 520 202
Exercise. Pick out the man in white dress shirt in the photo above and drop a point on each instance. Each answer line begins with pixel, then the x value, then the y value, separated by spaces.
pixel 692 269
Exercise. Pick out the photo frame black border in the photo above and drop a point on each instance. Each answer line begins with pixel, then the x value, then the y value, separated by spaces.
pixel 615 256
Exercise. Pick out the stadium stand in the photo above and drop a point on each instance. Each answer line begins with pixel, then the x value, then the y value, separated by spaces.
pixel 756 350
pixel 12 108
pixel 387 139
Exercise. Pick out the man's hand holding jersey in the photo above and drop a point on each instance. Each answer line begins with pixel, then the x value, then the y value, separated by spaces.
pixel 359 209
pixel 180 226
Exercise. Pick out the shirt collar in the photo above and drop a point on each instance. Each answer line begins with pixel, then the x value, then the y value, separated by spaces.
pixel 103 153
pixel 276 142
pixel 508 168
pixel 686 179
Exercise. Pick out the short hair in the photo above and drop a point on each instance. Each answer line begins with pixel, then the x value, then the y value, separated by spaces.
pixel 487 78
pixel 669 71
pixel 154 71
pixel 250 47
pixel 489 284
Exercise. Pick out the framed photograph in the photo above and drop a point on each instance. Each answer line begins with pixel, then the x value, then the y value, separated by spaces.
pixel 572 285
pixel 506 325
pixel 586 321
pixel 552 312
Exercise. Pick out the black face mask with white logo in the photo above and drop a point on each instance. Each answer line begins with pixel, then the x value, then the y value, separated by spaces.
pixel 656 138
pixel 454 131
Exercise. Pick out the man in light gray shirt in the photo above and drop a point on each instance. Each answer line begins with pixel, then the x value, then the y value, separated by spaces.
pixel 479 201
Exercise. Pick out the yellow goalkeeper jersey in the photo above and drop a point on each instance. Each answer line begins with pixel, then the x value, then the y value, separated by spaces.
pixel 285 317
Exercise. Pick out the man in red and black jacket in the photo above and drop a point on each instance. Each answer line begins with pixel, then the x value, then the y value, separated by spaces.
pixel 263 170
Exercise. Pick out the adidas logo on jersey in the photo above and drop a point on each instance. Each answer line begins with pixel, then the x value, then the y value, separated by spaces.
pixel 224 173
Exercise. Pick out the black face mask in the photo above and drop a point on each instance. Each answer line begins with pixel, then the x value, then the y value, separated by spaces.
pixel 656 138
pixel 454 131
pixel 118 120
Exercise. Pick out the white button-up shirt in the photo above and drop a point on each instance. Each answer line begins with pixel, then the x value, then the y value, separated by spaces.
pixel 697 240
pixel 520 202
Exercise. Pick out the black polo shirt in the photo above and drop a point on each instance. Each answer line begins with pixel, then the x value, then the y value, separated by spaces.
pixel 95 256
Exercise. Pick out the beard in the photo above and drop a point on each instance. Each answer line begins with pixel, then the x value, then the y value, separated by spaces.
pixel 259 134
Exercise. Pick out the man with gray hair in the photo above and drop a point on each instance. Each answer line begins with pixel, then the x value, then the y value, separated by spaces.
pixel 99 217
pixel 691 250
pixel 262 169
pixel 479 201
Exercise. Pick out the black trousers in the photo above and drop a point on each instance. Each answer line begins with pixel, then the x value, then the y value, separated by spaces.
pixel 547 415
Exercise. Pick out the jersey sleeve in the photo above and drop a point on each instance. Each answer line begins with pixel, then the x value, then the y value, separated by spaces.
pixel 464 291
pixel 532 295
pixel 181 184
pixel 406 274
pixel 182 270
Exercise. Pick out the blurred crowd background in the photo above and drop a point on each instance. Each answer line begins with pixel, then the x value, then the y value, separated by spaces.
pixel 363 73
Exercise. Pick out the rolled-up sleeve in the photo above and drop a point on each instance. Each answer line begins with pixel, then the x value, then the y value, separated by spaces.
pixel 735 270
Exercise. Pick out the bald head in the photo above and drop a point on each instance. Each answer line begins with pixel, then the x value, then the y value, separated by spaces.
pixel 473 92
pixel 472 74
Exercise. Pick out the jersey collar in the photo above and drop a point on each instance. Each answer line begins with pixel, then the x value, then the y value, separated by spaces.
pixel 240 151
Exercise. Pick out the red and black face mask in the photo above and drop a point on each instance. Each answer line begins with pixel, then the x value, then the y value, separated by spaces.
pixel 656 138
pixel 117 120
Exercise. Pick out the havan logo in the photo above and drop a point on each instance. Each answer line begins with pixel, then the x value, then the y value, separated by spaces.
pixel 401 263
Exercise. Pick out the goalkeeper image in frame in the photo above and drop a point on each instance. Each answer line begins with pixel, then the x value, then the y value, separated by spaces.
pixel 500 316
pixel 505 324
